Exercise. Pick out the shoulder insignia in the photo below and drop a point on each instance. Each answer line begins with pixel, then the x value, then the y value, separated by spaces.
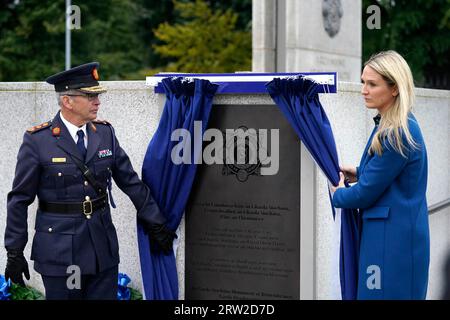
pixel 100 121
pixel 39 127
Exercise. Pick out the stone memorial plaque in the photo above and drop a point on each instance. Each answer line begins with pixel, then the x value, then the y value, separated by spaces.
pixel 242 220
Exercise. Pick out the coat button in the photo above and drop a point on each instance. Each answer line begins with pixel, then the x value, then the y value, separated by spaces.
pixel 59 174
pixel 88 216
pixel 86 183
pixel 50 229
pixel 87 198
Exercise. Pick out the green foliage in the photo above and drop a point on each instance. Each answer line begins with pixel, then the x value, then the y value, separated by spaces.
pixel 25 36
pixel 117 33
pixel 25 293
pixel 242 7
pixel 109 36
pixel 445 23
pixel 206 41
pixel 135 294
pixel 155 12
pixel 417 29
pixel 32 38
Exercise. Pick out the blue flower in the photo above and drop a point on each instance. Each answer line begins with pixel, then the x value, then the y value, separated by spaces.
pixel 4 288
pixel 123 292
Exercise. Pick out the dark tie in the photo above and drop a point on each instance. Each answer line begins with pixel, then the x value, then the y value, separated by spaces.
pixel 80 143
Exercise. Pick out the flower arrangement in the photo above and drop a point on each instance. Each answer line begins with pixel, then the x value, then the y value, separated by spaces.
pixel 12 291
pixel 4 288
pixel 124 292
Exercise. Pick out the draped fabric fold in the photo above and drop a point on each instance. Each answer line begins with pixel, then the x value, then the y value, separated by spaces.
pixel 170 183
pixel 299 101
pixel 349 253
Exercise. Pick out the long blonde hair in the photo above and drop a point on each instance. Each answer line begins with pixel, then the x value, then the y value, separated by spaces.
pixel 394 122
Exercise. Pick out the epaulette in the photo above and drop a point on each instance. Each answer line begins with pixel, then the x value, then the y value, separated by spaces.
pixel 101 121
pixel 40 127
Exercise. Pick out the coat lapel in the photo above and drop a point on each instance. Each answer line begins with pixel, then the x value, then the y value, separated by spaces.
pixel 65 141
pixel 93 142
pixel 365 158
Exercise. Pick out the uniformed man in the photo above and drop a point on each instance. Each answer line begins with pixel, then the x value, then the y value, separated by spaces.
pixel 68 163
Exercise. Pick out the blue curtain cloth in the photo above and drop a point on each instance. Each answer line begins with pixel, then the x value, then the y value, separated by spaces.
pixel 186 102
pixel 299 101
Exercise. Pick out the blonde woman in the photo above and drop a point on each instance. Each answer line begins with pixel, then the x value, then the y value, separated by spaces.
pixel 390 186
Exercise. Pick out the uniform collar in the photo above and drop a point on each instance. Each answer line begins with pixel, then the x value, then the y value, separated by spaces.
pixel 73 129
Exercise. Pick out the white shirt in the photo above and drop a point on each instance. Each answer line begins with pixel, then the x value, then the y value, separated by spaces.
pixel 73 129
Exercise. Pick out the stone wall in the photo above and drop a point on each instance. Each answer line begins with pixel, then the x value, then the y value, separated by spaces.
pixel 134 110
pixel 292 35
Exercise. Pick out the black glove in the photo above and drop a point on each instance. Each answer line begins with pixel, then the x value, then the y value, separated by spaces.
pixel 161 238
pixel 15 266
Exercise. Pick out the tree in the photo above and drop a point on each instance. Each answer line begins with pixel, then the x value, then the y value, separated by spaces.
pixel 206 41
pixel 417 29
pixel 26 33
pixel 32 38
pixel 118 34
pixel 154 12
pixel 109 35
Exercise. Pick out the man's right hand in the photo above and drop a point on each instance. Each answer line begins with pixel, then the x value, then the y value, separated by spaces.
pixel 161 238
pixel 349 173
pixel 15 266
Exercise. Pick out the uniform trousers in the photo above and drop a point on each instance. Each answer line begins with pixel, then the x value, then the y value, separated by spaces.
pixel 100 286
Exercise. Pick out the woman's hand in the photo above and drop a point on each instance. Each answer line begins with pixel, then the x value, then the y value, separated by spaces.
pixel 341 183
pixel 349 173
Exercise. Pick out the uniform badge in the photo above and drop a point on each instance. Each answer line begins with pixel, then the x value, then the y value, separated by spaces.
pixel 59 160
pixel 104 153
pixel 56 131
pixel 39 127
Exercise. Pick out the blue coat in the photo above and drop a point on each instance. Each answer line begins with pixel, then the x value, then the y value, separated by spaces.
pixel 390 193
pixel 45 168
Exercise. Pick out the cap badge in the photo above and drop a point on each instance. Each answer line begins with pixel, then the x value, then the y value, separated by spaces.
pixel 95 73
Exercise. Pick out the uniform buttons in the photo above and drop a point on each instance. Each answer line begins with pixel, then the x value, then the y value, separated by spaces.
pixel 59 174
pixel 87 198
pixel 50 229
pixel 86 183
